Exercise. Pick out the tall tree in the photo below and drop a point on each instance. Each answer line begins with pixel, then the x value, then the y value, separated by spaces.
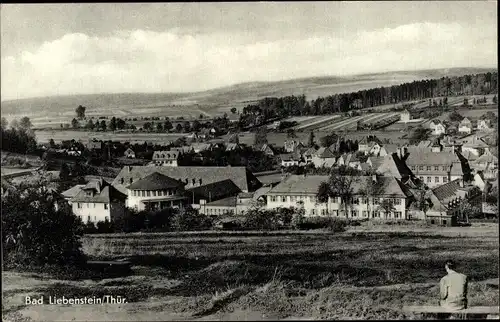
pixel 343 187
pixel 25 123
pixel 387 207
pixel 261 136
pixel 324 194
pixel 74 123
pixel 112 124
pixel 80 112
pixel 310 141
pixel 103 125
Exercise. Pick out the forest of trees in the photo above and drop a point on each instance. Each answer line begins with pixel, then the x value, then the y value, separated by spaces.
pixel 273 107
pixel 19 138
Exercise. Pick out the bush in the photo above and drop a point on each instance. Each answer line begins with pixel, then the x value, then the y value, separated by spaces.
pixel 34 232
pixel 191 219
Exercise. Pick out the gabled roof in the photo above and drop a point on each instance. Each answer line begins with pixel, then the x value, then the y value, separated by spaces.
pixel 364 140
pixel 73 191
pixel 393 166
pixel 226 202
pixel 299 184
pixel 170 155
pixel 310 151
pixel 465 121
pixel 214 191
pixel 155 181
pixel 447 191
pixel 243 178
pixel 474 142
pixel 469 155
pixel 391 148
pixel 487 157
pixel 419 156
pixel 288 157
pixel 324 153
pixel 105 194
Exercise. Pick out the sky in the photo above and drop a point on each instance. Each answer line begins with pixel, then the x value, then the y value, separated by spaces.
pixel 64 49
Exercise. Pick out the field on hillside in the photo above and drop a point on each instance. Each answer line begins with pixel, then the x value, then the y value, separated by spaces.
pixel 216 102
pixel 367 272
pixel 44 136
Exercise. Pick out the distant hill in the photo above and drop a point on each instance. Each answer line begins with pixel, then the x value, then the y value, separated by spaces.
pixel 215 101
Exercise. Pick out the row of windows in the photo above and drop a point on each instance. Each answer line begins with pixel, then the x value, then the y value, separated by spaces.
pixel 219 211
pixel 162 156
pixel 153 193
pixel 186 181
pixel 356 201
pixel 165 162
pixel 89 218
pixel 355 213
pixel 436 179
pixel 90 205
pixel 429 168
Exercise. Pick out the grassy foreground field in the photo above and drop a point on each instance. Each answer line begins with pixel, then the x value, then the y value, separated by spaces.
pixel 367 272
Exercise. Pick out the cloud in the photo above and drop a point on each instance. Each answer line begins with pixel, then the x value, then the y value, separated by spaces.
pixel 177 61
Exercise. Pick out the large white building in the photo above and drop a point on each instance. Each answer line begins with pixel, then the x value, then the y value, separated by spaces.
pixel 96 201
pixel 301 191
pixel 156 191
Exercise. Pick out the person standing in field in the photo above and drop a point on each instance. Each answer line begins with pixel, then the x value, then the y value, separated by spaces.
pixel 453 289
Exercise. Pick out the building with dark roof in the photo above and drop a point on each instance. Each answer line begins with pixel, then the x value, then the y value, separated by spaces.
pixel 447 202
pixel 96 201
pixel 166 158
pixel 156 191
pixel 436 168
pixel 301 191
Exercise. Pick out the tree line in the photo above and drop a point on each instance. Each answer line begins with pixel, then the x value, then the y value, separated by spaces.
pixel 19 137
pixel 273 107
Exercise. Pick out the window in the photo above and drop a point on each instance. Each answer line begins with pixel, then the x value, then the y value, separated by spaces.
pixel 313 212
pixel 200 181
pixel 79 205
pixel 364 201
pixel 283 198
pixel 153 193
pixel 292 198
pixel 444 222
pixel 429 179
pixel 355 201
pixel 397 214
pixel 428 168
pixel 421 178
pixel 445 179
pixel 131 180
pixel 122 180
pixel 376 201
pixel 436 168
pixel 93 204
pixel 397 201
pixel 87 204
pixel 88 218
pixel 436 179
pixel 413 167
pixel 323 212
pixel 365 213
pixel 432 222
pixel 354 213
pixel 421 167
pixel 273 198
pixel 105 206
pixel 444 168
pixel 194 181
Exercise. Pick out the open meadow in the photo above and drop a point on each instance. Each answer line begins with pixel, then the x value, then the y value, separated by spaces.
pixel 367 272
pixel 44 136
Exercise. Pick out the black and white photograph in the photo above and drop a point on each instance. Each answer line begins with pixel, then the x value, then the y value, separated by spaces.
pixel 249 161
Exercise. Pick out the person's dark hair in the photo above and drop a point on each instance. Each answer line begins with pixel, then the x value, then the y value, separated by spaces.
pixel 450 264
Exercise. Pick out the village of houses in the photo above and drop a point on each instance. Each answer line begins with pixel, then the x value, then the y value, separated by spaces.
pixel 451 169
